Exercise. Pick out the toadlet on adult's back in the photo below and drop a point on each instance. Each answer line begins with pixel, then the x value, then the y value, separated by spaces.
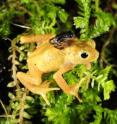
pixel 47 58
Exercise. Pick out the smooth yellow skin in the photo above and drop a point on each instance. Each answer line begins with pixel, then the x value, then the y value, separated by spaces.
pixel 46 58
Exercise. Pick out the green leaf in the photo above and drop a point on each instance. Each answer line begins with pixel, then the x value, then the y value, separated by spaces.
pixel 98 115
pixel 79 22
pixel 25 1
pixel 26 115
pixel 102 77
pixel 82 20
pixel 103 23
pixel 58 1
pixel 110 116
pixel 63 15
pixel 108 88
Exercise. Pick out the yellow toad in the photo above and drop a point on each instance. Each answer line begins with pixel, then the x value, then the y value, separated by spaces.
pixel 47 58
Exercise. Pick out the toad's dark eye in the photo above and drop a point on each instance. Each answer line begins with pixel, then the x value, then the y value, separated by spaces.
pixel 84 55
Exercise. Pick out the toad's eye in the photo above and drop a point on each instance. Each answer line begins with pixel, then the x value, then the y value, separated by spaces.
pixel 84 55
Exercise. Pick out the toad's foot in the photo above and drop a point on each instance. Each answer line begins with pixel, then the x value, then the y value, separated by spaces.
pixel 44 90
pixel 41 89
pixel 73 90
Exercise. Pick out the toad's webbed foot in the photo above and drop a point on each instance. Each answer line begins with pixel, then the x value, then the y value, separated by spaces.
pixel 40 89
pixel 44 90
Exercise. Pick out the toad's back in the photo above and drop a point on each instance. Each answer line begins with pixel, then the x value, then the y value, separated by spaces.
pixel 47 58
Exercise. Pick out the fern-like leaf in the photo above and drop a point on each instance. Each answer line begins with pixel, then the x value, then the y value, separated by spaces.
pixel 102 24
pixel 82 21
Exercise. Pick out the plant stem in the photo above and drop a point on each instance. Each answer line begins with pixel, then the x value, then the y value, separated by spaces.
pixel 4 108
pixel 97 2
pixel 102 53
pixel 22 104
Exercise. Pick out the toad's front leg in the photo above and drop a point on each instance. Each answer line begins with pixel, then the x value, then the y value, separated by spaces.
pixel 36 38
pixel 70 90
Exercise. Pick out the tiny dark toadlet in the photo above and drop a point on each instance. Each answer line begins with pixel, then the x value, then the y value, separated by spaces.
pixel 62 40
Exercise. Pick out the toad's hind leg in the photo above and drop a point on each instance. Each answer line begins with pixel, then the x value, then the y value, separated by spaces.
pixel 34 84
